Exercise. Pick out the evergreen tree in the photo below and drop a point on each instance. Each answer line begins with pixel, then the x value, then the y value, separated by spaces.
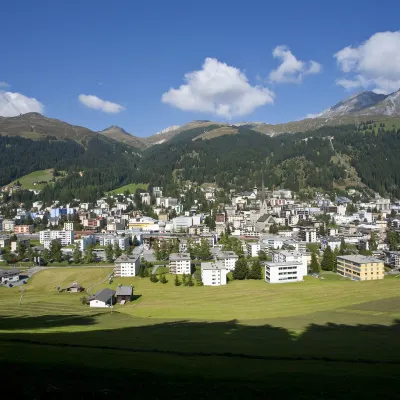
pixel 46 255
pixel 89 255
pixel 77 255
pixel 109 252
pixel 163 279
pixel 328 260
pixel 314 267
pixel 373 245
pixel 256 270
pixel 21 250
pixel 204 252
pixel 342 249
pixel 135 241
pixel 177 282
pixel 241 269
pixel 55 250
pixel 262 255
pixel 273 229
pixel 129 250
pixel 117 250
pixel 189 281
pixel 153 278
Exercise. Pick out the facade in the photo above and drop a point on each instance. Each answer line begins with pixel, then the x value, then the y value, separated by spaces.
pixel 213 274
pixel 105 240
pixel 283 272
pixel 25 242
pixel 308 234
pixel 127 266
pixel 284 256
pixel 65 237
pixel 360 268
pixel 69 226
pixel 253 249
pixel 8 225
pixel 124 294
pixel 4 241
pixel 9 276
pixel 392 258
pixel 332 242
pixel 85 241
pixel 179 263
pixel 228 259
pixel 23 228
pixel 102 299
pixel 182 223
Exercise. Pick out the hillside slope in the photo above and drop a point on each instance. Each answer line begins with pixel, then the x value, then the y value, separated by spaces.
pixel 120 135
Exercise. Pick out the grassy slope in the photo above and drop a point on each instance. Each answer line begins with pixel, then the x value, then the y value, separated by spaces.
pixel 28 180
pixel 132 187
pixel 289 327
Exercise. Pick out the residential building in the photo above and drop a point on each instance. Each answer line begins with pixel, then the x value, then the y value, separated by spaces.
pixel 392 258
pixel 102 299
pixel 332 242
pixel 8 225
pixel 253 248
pixel 87 240
pixel 179 263
pixel 25 242
pixel 23 229
pixel 105 240
pixel 213 274
pixel 4 241
pixel 9 276
pixel 283 272
pixel 69 226
pixel 308 234
pixel 124 294
pixel 65 237
pixel 228 259
pixel 182 223
pixel 141 222
pixel 360 268
pixel 284 256
pixel 126 266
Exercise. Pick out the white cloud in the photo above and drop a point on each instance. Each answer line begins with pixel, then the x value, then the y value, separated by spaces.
pixel 218 89
pixel 4 84
pixel 99 104
pixel 291 70
pixel 13 104
pixel 374 64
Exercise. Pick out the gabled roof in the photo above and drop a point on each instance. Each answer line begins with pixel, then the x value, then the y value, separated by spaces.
pixel 124 291
pixel 103 295
pixel 265 218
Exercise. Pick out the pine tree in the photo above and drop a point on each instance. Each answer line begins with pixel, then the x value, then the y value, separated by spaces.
pixel 117 250
pixel 256 270
pixel 163 279
pixel 241 269
pixel 55 250
pixel 46 255
pixel 342 249
pixel 89 255
pixel 153 278
pixel 109 252
pixel 328 260
pixel 77 255
pixel 314 266
pixel 177 282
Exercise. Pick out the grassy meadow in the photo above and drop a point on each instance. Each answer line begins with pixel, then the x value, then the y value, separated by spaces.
pixel 132 187
pixel 27 181
pixel 238 332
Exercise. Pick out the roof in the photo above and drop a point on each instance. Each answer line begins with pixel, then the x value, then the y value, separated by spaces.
pixel 282 264
pixel 179 256
pixel 125 258
pixel 104 295
pixel 211 266
pixel 11 272
pixel 226 254
pixel 75 285
pixel 361 259
pixel 124 291
pixel 265 218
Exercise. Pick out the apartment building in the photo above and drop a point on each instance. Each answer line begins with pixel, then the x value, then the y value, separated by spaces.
pixel 213 274
pixel 4 240
pixel 253 249
pixel 179 263
pixel 284 256
pixel 228 259
pixel 65 237
pixel 127 266
pixel 332 242
pixel 23 229
pixel 8 225
pixel 283 272
pixel 392 258
pixel 69 226
pixel 105 240
pixel 308 234
pixel 360 268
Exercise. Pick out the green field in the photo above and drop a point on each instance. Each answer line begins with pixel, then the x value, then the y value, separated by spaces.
pixel 132 187
pixel 28 180
pixel 247 331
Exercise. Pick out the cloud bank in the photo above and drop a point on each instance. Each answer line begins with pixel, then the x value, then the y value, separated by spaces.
pixel 13 104
pixel 96 103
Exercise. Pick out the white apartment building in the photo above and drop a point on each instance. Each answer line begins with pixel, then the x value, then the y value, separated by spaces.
pixel 253 249
pixel 182 223
pixel 228 259
pixel 308 235
pixel 281 272
pixel 179 263
pixel 332 242
pixel 85 241
pixel 105 240
pixel 68 226
pixel 127 266
pixel 284 256
pixel 8 225
pixel 272 242
pixel 213 274
pixel 65 237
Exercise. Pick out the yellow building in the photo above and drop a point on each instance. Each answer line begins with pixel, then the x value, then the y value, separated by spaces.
pixel 360 268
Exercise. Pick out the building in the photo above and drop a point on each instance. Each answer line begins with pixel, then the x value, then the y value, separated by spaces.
pixel 228 259
pixel 102 299
pixel 392 258
pixel 74 288
pixel 308 234
pixel 69 226
pixel 253 249
pixel 284 256
pixel 141 222
pixel 4 241
pixel 124 294
pixel 213 274
pixel 105 240
pixel 360 268
pixel 87 240
pixel 9 276
pixel 65 237
pixel 24 242
pixel 126 266
pixel 179 263
pixel 182 223
pixel 23 229
pixel 283 272
pixel 332 242
pixel 8 225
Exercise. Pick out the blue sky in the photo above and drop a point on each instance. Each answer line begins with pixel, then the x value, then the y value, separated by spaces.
pixel 130 53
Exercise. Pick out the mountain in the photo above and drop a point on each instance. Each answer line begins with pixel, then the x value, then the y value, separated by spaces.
pixel 353 105
pixel 120 135
pixel 390 106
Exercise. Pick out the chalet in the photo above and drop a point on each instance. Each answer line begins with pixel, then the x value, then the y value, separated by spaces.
pixel 74 288
pixel 103 298
pixel 124 294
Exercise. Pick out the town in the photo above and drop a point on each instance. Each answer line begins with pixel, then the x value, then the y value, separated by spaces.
pixel 257 234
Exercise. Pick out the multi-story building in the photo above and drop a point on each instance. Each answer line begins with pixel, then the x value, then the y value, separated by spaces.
pixel 85 241
pixel 69 226
pixel 105 240
pixel 94 224
pixel 308 234
pixel 332 242
pixel 213 274
pixel 283 256
pixel 228 259
pixel 8 225
pixel 182 223
pixel 253 249
pixel 283 272
pixel 23 228
pixel 360 268
pixel 24 242
pixel 65 237
pixel 392 258
pixel 4 241
pixel 179 263
pixel 126 266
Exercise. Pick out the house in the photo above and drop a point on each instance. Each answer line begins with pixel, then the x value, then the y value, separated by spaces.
pixel 283 272
pixel 74 288
pixel 124 294
pixel 228 259
pixel 179 263
pixel 264 222
pixel 360 268
pixel 8 225
pixel 126 266
pixel 102 299
pixel 24 242
pixel 213 273
pixel 9 276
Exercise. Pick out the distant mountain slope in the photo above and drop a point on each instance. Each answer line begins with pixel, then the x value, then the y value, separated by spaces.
pixel 120 135
pixel 390 106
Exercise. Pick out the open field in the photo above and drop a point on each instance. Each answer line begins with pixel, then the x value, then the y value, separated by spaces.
pixel 28 180
pixel 132 187
pixel 317 329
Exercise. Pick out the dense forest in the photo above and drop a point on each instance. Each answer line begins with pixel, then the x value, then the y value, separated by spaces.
pixel 318 159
